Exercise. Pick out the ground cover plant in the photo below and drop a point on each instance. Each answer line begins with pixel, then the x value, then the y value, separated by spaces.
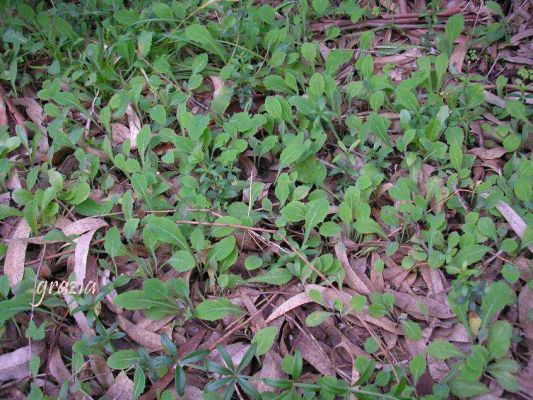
pixel 266 199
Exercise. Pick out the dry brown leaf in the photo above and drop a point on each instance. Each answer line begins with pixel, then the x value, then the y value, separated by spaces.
pixel 218 85
pixel 135 126
pixel 290 304
pixel 16 253
pixel 458 56
pixel 488 154
pixel 409 303
pixel 351 278
pixel 33 110
pixel 525 305
pixel 515 221
pixel 56 366
pixel 15 365
pixel 3 112
pixel 147 339
pixel 271 369
pixel 119 133
pixel 121 389
pixel 89 225
pixel 314 354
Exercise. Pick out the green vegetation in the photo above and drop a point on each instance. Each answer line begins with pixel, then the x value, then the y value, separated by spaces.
pixel 273 200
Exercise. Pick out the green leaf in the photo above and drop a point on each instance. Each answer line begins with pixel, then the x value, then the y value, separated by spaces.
pixel 369 226
pixel 407 99
pixel 139 382
pixel 497 296
pixel 182 261
pixel 336 58
pixel 167 231
pixel 316 85
pixel 158 114
pixel 295 211
pixel 253 262
pixel 462 388
pixel 211 310
pixel 320 6
pixel 123 359
pixel 179 380
pixel 454 26
pixel 145 42
pixel 112 243
pixel 412 330
pixel 417 366
pixel 469 255
pixel 223 248
pixel 273 108
pixel 202 37
pixel 316 318
pixel 264 339
pixel 442 350
pixel 316 212
pixel 139 300
pixel 276 276
pixel 222 231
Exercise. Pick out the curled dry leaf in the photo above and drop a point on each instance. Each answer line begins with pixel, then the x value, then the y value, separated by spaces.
pixel 16 253
pixel 351 278
pixel 90 226
pixel 288 305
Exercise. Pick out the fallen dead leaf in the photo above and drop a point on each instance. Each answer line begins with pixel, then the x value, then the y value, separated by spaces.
pixel 16 253
pixel 14 365
pixel 488 154
pixel 134 123
pixel 515 221
pixel 147 339
pixel 121 389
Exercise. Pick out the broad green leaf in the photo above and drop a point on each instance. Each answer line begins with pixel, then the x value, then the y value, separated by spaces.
pixel 202 37
pixel 369 226
pixel 316 318
pixel 497 296
pixel 145 42
pixel 316 212
pixel 462 388
pixel 264 339
pixel 167 231
pixel 276 276
pixel 295 211
pixel 123 359
pixel 211 310
pixel 113 244
pixel 182 261
pixel 417 366
pixel 158 114
pixel 454 26
pixel 442 350
pixel 223 248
